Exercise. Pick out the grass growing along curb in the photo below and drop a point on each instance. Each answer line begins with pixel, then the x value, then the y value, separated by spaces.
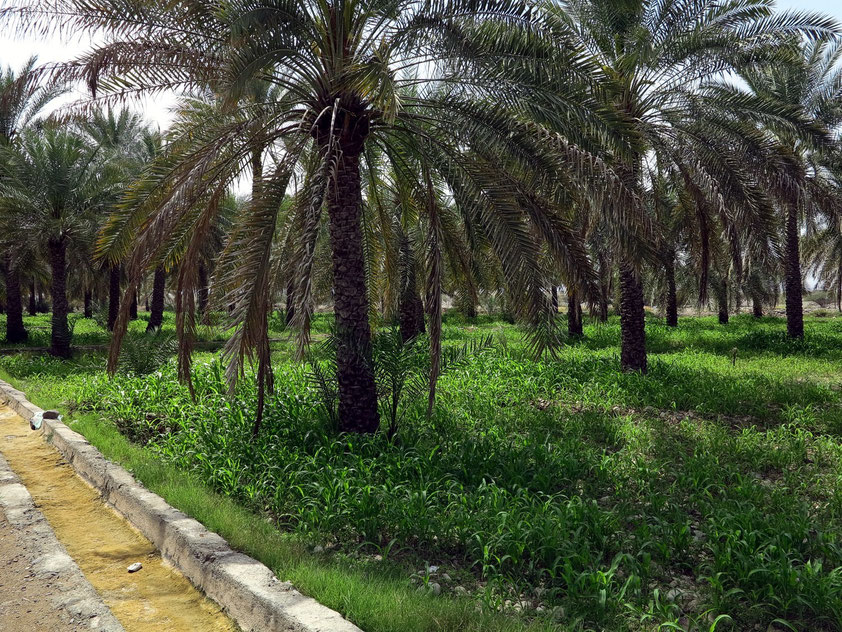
pixel 375 601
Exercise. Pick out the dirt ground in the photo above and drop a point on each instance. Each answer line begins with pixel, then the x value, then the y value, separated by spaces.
pixel 26 601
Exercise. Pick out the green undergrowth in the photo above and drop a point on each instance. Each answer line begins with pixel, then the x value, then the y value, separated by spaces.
pixel 375 597
pixel 92 331
pixel 559 494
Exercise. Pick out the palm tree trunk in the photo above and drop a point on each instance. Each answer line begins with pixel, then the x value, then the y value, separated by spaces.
pixel 60 334
pixel 722 300
pixel 88 299
pixel 355 371
pixel 133 307
pixel 632 320
pixel 554 294
pixel 604 286
pixel 15 331
pixel 574 314
pixel 672 295
pixel 756 306
pixel 839 288
pixel 411 308
pixel 794 311
pixel 33 299
pixel 156 313
pixel 113 295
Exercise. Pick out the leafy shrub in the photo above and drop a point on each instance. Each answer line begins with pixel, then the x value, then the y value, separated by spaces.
pixel 145 353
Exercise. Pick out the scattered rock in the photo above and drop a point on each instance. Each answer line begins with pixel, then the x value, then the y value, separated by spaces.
pixel 318 549
pixel 435 588
pixel 446 578
pixel 460 591
pixel 673 594
pixel 559 613
pixel 135 567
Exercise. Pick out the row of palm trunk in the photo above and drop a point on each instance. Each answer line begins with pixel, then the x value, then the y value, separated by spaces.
pixel 60 332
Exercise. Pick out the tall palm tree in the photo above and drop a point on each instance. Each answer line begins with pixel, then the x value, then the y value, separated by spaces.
pixel 22 98
pixel 56 188
pixel 663 58
pixel 342 68
pixel 811 81
pixel 127 144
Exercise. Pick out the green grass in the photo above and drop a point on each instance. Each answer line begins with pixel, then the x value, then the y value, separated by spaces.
pixel 90 331
pixel 562 493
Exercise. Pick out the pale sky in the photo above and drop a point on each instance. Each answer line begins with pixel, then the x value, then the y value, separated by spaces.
pixel 15 51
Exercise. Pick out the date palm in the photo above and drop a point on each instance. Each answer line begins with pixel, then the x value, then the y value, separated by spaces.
pixel 22 98
pixel 666 60
pixel 343 70
pixel 56 189
pixel 810 80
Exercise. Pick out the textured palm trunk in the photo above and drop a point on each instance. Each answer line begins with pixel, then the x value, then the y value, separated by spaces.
pixel 839 288
pixel 794 310
pixel 133 307
pixel 554 294
pixel 632 320
pixel 722 301
pixel 604 286
pixel 355 371
pixel 411 308
pixel 60 334
pixel 756 306
pixel 632 314
pixel 156 311
pixel 574 314
pixel 88 304
pixel 33 299
pixel 113 295
pixel 15 331
pixel 672 295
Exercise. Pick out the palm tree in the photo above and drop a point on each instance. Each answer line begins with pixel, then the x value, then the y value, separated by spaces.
pixel 811 82
pixel 56 189
pixel 22 98
pixel 342 69
pixel 126 143
pixel 663 58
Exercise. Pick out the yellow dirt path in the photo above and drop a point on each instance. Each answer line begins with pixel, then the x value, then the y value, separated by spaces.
pixel 103 544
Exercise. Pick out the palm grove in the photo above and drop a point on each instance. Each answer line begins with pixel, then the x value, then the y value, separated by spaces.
pixel 669 153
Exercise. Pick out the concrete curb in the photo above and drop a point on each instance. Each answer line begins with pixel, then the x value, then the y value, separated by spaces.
pixel 49 559
pixel 246 589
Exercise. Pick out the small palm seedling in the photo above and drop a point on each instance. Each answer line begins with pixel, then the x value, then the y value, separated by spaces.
pixel 146 353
